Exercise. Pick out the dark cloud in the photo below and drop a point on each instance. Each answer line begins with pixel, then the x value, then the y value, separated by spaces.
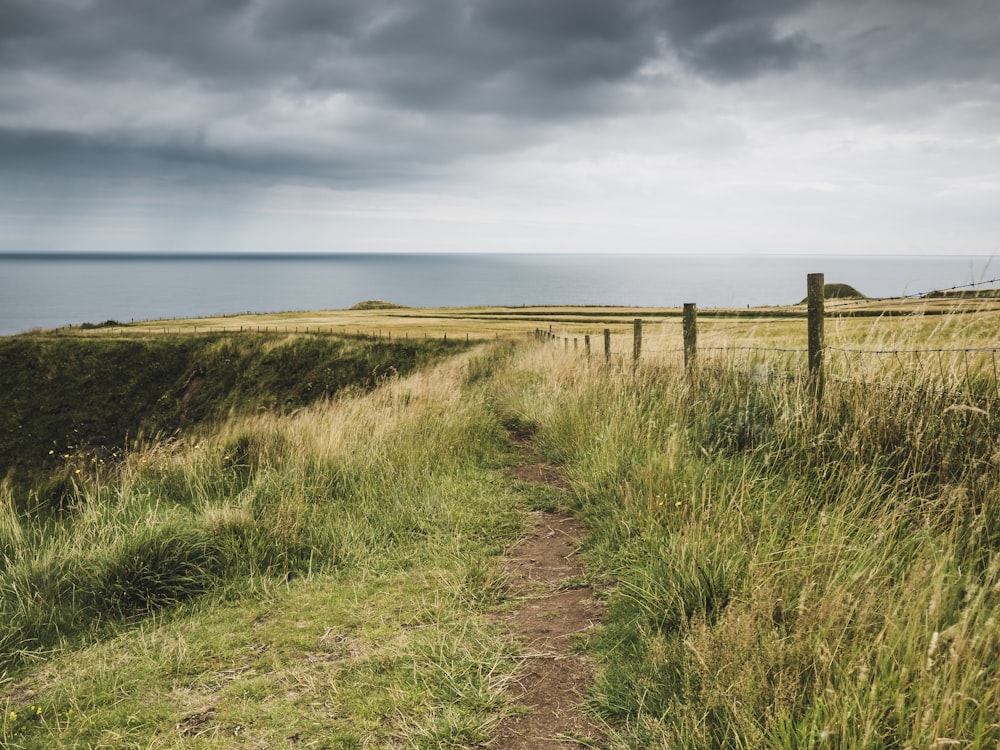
pixel 186 161
pixel 426 54
pixel 918 43
pixel 341 18
pixel 435 80
pixel 734 39
pixel 742 51
pixel 19 20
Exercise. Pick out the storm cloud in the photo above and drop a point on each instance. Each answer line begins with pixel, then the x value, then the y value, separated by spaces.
pixel 363 94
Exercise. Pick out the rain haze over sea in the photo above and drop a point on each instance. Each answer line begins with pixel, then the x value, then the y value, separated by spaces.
pixel 47 292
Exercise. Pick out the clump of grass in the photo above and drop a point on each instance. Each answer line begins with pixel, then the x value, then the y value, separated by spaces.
pixel 11 534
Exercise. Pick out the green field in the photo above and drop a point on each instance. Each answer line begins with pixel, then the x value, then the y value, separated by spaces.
pixel 269 566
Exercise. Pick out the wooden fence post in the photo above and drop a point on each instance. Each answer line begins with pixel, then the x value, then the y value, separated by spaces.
pixel 690 337
pixel 607 345
pixel 636 339
pixel 575 343
pixel 586 344
pixel 814 286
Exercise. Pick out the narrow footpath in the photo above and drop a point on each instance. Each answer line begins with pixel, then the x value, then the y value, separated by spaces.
pixel 556 610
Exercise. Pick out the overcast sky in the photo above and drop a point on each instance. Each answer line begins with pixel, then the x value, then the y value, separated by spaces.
pixel 824 126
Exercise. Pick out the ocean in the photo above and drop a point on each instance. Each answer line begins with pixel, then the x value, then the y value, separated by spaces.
pixel 56 290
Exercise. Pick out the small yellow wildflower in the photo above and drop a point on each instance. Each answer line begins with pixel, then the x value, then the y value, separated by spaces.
pixel 677 504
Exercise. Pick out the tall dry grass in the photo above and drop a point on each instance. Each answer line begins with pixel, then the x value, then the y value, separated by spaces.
pixel 782 576
pixel 362 483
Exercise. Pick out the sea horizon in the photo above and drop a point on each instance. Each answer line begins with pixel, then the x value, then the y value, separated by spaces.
pixel 55 289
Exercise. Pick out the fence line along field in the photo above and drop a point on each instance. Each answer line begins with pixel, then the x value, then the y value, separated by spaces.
pixel 943 339
pixel 933 319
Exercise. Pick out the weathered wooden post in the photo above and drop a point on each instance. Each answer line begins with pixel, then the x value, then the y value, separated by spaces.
pixel 636 339
pixel 690 337
pixel 814 300
pixel 586 345
pixel 575 343
pixel 607 345
pixel 565 344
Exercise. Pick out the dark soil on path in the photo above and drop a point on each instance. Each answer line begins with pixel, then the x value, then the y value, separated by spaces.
pixel 557 611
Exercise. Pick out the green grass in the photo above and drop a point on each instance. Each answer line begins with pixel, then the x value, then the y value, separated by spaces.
pixel 777 575
pixel 324 574
pixel 74 403
pixel 335 661
pixel 780 579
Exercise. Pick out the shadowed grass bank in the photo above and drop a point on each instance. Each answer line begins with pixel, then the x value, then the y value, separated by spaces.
pixel 72 404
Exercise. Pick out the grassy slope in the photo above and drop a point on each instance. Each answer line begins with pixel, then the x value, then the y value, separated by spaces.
pixel 328 586
pixel 778 581
pixel 69 402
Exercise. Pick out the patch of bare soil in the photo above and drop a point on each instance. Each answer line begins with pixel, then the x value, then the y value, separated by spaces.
pixel 556 610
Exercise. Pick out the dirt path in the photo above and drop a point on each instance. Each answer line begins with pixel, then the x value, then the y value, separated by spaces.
pixel 556 608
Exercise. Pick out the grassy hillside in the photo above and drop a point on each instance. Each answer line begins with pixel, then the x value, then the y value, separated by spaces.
pixel 73 403
pixel 778 575
pixel 318 577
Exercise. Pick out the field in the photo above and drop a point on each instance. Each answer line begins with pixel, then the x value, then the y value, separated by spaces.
pixel 777 573
pixel 932 320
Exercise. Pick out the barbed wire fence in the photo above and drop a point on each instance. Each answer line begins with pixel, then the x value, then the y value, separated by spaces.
pixel 969 375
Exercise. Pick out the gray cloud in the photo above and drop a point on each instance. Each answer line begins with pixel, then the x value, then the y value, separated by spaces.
pixel 920 42
pixel 335 89
pixel 735 40
pixel 442 49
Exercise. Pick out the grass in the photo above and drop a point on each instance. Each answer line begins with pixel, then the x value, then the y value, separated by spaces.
pixel 781 578
pixel 324 574
pixel 73 404
pixel 778 576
